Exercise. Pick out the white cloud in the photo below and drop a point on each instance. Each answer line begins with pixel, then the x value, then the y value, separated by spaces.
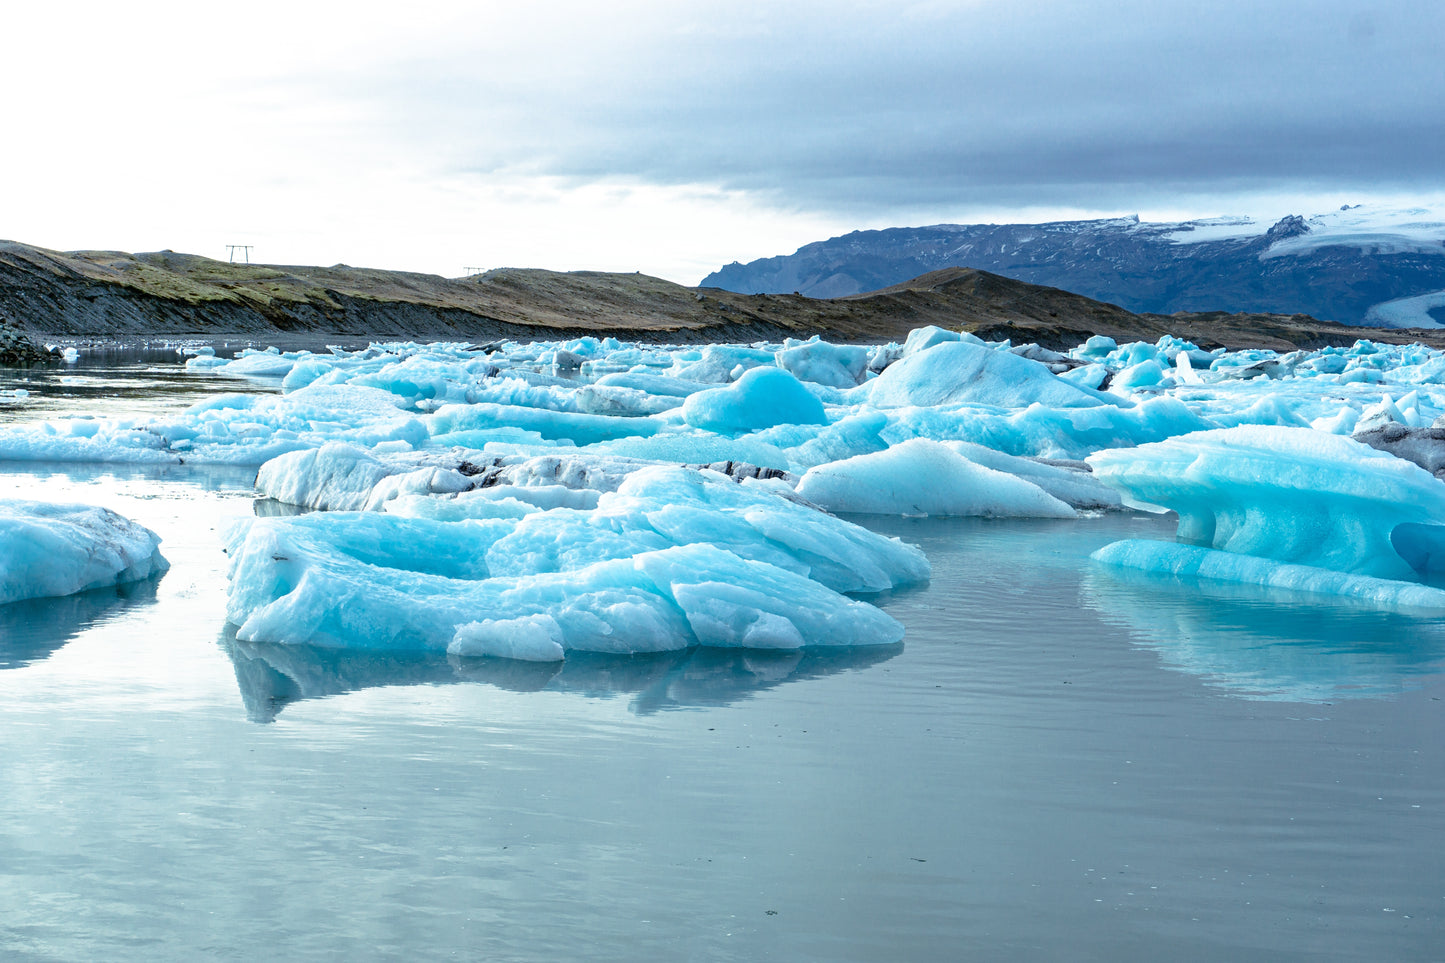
pixel 672 138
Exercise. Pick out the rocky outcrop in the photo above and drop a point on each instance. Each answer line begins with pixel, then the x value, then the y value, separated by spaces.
pixel 17 350
pixel 1291 225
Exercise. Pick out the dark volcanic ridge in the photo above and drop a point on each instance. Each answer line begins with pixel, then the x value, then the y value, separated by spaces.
pixel 115 296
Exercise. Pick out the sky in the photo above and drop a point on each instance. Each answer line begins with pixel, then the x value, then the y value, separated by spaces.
pixel 672 138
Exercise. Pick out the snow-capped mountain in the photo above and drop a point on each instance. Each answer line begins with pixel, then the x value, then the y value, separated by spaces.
pixel 1360 265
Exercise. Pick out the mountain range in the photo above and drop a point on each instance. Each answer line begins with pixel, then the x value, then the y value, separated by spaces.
pixel 115 296
pixel 1357 265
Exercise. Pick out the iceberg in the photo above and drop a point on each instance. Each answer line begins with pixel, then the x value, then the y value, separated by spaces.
pixel 921 477
pixel 1071 482
pixel 762 398
pixel 1191 561
pixel 530 500
pixel 1293 495
pixel 50 550
pixel 674 557
pixel 293 583
pixel 951 372
pixel 838 366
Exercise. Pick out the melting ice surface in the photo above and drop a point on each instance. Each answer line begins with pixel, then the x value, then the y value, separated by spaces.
pixel 600 496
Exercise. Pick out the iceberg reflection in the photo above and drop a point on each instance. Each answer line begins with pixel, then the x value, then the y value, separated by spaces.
pixel 1270 644
pixel 34 629
pixel 271 676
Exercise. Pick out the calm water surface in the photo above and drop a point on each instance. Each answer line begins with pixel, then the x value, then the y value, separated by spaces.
pixel 1058 763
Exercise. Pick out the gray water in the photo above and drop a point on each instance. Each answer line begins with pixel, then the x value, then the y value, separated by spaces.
pixel 1058 763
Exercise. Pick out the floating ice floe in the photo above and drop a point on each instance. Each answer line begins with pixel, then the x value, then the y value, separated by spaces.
pixel 674 557
pixel 920 477
pixel 1164 558
pixel 1289 494
pixel 954 372
pixel 49 550
pixel 1288 508
pixel 568 485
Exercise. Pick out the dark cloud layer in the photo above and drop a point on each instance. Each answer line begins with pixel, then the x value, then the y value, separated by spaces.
pixel 859 107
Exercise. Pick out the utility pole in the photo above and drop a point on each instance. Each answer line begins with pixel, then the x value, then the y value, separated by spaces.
pixel 245 250
pixel 470 271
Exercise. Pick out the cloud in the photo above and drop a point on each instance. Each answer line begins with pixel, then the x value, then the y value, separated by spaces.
pixel 866 106
pixel 671 137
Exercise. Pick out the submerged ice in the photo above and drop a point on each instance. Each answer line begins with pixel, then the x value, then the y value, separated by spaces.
pixel 526 500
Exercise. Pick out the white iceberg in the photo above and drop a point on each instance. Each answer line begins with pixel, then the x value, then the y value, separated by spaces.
pixel 922 477
pixel 835 365
pixel 952 372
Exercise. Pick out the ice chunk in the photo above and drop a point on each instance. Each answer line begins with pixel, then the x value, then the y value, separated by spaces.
pixel 1042 431
pixel 1075 486
pixel 48 550
pixel 1423 446
pixel 1097 348
pixel 1289 494
pixel 921 477
pixel 673 557
pixel 761 398
pixel 653 384
pixel 577 427
pixel 1192 561
pixel 921 339
pixel 312 579
pixel 661 506
pixel 343 477
pixel 619 401
pixel 839 366
pixel 721 363
pixel 270 363
pixel 1142 375
pixel 955 371
pixel 533 638
pixel 334 476
pixel 1090 376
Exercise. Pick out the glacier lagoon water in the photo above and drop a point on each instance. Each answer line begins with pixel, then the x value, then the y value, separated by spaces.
pixel 1059 762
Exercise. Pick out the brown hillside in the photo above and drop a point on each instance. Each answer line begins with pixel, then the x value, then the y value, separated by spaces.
pixel 118 296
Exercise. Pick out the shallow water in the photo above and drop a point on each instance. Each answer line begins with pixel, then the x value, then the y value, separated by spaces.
pixel 117 382
pixel 1059 762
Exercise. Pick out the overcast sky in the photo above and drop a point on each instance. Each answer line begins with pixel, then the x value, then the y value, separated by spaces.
pixel 674 137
